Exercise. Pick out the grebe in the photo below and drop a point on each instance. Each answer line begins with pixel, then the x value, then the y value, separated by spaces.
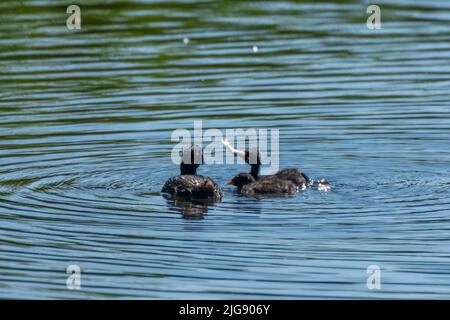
pixel 189 185
pixel 268 186
pixel 271 182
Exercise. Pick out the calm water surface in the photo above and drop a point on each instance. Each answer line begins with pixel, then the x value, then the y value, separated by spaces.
pixel 86 122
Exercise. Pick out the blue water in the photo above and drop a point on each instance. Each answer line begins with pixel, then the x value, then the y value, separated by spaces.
pixel 86 123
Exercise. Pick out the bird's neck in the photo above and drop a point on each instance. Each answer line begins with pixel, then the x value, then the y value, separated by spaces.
pixel 188 169
pixel 255 171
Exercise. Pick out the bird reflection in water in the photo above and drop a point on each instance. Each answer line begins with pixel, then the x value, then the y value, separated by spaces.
pixel 189 208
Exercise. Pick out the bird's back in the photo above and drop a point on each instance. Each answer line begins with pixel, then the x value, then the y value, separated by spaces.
pixel 192 186
pixel 293 175
pixel 269 186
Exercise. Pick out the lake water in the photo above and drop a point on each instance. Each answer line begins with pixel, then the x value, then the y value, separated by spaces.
pixel 86 123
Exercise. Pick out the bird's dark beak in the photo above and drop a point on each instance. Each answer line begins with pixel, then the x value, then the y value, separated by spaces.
pixel 230 181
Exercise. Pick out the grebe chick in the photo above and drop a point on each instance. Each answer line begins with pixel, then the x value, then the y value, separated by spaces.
pixel 253 158
pixel 269 186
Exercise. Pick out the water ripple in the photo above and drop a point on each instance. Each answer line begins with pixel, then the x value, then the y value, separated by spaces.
pixel 86 124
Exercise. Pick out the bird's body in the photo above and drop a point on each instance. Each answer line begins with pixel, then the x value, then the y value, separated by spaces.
pixel 269 187
pixel 293 175
pixel 188 185
pixel 266 186
pixel 192 187
pixel 287 181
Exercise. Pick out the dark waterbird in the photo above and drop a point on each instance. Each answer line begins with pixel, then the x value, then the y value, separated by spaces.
pixel 284 182
pixel 188 185
pixel 268 186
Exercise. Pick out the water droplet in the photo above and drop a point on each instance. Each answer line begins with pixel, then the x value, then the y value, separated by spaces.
pixel 323 185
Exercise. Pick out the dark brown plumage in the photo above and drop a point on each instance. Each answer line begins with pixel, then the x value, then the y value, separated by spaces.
pixel 189 185
pixel 252 157
pixel 266 186
pixel 192 186
pixel 287 181
pixel 298 178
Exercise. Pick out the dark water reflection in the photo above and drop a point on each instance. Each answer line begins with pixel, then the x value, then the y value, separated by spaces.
pixel 86 120
pixel 189 209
